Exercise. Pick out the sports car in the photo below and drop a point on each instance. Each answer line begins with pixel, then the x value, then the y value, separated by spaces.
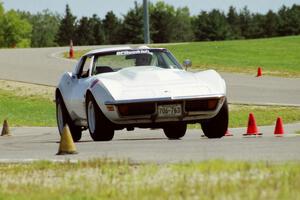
pixel 125 88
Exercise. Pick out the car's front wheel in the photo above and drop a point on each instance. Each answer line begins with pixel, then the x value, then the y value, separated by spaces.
pixel 175 131
pixel 216 127
pixel 63 118
pixel 100 127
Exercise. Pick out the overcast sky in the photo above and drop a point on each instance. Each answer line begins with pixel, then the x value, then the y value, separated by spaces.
pixel 119 7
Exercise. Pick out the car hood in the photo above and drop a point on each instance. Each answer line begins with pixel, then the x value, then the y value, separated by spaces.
pixel 149 82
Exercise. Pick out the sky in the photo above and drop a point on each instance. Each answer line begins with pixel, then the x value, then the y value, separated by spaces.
pixel 101 7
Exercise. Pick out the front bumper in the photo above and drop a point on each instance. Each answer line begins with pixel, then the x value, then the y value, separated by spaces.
pixel 187 116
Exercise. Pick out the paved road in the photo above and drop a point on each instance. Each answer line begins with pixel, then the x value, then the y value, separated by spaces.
pixel 152 146
pixel 42 66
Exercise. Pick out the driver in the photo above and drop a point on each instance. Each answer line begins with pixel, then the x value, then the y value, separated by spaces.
pixel 143 59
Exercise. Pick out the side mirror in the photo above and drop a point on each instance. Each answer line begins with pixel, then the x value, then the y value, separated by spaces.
pixel 74 76
pixel 187 63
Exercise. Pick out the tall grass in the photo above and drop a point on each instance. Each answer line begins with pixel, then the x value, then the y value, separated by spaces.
pixel 100 179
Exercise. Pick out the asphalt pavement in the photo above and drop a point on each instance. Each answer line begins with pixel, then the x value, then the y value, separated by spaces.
pixel 43 66
pixel 28 144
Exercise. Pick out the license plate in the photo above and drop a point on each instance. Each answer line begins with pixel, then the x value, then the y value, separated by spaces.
pixel 173 110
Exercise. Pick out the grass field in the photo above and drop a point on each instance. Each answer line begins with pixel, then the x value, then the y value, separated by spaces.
pixel 40 111
pixel 276 56
pixel 26 110
pixel 104 179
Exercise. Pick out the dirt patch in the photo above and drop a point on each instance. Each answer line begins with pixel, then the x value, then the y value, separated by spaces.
pixel 27 89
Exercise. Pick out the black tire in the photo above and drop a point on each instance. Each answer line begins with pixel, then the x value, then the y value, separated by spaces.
pixel 76 131
pixel 217 126
pixel 175 131
pixel 102 130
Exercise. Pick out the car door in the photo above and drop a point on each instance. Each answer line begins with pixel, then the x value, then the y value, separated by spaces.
pixel 79 87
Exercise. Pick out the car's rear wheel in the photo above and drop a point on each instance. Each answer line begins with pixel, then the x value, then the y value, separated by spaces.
pixel 216 127
pixel 175 131
pixel 100 127
pixel 63 118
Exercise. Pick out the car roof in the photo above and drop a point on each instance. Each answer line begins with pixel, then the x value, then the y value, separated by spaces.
pixel 119 48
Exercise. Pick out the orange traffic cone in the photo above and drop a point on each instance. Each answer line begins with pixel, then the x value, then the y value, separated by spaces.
pixel 71 52
pixel 259 72
pixel 228 133
pixel 279 127
pixel 252 128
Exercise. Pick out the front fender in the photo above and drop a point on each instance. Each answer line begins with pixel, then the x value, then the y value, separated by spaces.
pixel 64 89
pixel 214 80
pixel 101 96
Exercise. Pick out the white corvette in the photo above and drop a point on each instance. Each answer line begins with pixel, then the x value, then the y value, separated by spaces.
pixel 115 88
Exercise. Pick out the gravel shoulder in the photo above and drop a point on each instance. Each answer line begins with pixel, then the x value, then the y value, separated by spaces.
pixel 28 89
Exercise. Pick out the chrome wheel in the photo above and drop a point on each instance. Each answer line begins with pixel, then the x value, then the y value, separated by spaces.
pixel 91 117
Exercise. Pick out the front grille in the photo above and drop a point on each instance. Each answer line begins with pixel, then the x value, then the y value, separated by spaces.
pixel 149 108
pixel 201 105
pixel 136 109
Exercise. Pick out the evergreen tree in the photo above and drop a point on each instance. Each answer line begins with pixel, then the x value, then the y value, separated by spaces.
pixel 245 21
pixel 183 26
pixel 132 27
pixel 19 28
pixel 200 24
pixel 97 28
pixel 162 19
pixel 84 32
pixel 212 26
pixel 271 24
pixel 111 25
pixel 294 19
pixel 234 23
pixel 289 20
pixel 66 29
pixel 218 28
pixel 256 26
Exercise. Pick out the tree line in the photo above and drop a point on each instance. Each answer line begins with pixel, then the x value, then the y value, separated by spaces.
pixel 167 24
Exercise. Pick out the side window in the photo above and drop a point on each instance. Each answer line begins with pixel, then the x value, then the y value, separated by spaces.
pixel 84 71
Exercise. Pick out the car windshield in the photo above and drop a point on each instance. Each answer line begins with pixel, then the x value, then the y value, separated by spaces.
pixel 115 61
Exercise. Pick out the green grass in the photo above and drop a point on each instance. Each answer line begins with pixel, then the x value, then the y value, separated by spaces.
pixel 264 115
pixel 104 179
pixel 26 110
pixel 277 56
pixel 39 111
